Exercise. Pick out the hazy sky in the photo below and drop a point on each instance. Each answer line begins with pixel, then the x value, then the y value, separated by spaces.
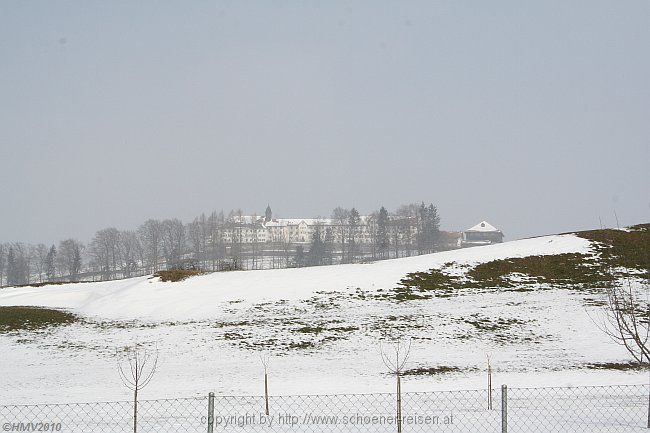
pixel 532 115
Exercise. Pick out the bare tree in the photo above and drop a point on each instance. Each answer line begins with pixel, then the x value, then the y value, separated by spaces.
pixel 235 227
pixel 150 234
pixel 626 318
pixel 173 242
pixel 129 253
pixel 197 233
pixel 105 250
pixel 340 218
pixel 69 258
pixel 215 238
pixel 137 367
pixel 395 359
pixel 407 217
pixel 285 245
pixel 40 255
pixel 255 227
pixel 3 254
pixel 372 230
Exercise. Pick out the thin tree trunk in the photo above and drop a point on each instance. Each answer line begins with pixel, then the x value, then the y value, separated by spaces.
pixel 489 388
pixel 266 392
pixel 399 405
pixel 135 410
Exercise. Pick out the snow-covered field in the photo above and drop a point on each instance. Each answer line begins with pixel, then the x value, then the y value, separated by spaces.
pixel 321 327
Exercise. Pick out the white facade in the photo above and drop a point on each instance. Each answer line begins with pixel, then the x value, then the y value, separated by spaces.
pixel 482 233
pixel 250 229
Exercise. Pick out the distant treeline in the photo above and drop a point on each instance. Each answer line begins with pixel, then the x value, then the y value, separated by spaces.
pixel 219 242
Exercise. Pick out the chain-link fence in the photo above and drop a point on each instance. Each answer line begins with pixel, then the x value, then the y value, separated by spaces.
pixel 575 409
pixel 172 415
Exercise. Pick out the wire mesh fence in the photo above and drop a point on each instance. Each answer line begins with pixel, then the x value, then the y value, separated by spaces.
pixel 579 409
pixel 164 416
pixel 575 409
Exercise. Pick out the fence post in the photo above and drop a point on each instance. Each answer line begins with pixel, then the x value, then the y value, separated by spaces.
pixel 504 409
pixel 211 412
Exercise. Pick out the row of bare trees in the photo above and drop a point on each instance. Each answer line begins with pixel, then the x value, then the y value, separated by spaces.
pixel 137 366
pixel 345 237
pixel 23 263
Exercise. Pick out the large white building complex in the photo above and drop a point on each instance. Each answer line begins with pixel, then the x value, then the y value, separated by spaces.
pixel 249 229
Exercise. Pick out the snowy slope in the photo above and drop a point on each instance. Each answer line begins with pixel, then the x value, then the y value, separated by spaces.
pixel 322 336
pixel 195 298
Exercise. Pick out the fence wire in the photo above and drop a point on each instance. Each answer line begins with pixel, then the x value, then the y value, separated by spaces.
pixel 160 416
pixel 575 409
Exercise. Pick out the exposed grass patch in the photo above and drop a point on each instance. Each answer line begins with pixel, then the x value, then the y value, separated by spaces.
pixel 431 280
pixel 176 275
pixel 490 325
pixel 621 366
pixel 569 269
pixel 33 318
pixel 344 329
pixel 627 251
pixel 310 330
pixel 431 371
pixel 301 345
pixel 50 283
pixel 623 248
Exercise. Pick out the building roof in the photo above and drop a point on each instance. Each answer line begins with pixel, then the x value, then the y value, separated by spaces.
pixel 483 226
pixel 279 222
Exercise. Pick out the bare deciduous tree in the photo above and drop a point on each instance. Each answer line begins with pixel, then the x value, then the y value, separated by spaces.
pixel 129 253
pixel 150 234
pixel 173 242
pixel 395 360
pixel 40 254
pixel 3 253
pixel 626 320
pixel 340 219
pixel 69 258
pixel 137 367
pixel 105 250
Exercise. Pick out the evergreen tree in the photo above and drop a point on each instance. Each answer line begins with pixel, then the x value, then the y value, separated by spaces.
pixel 328 245
pixel 433 226
pixel 429 229
pixel 382 232
pixel 299 259
pixel 316 249
pixel 422 239
pixel 17 265
pixel 11 267
pixel 76 262
pixel 50 267
pixel 354 220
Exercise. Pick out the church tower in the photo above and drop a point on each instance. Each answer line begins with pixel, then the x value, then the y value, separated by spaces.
pixel 268 215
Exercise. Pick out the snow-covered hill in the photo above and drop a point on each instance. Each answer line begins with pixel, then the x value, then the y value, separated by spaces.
pixel 198 298
pixel 321 327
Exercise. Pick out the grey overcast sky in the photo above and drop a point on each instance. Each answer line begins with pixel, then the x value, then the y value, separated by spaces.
pixel 532 115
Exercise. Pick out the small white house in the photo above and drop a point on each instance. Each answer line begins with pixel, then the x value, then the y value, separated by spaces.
pixel 482 233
